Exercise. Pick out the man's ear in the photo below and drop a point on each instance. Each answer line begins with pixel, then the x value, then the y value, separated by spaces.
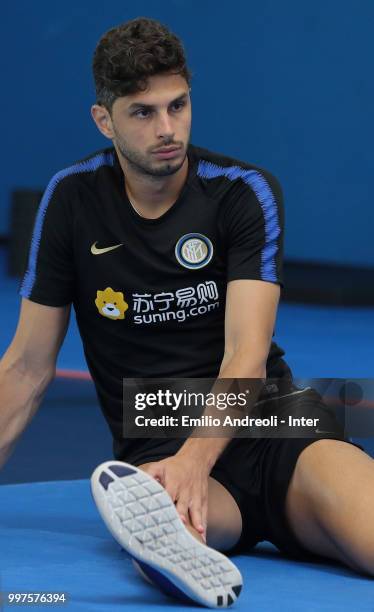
pixel 103 120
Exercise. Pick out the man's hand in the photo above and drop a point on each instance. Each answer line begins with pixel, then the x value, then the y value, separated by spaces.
pixel 186 481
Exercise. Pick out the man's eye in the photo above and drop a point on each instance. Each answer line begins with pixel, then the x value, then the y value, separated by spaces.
pixel 178 105
pixel 142 113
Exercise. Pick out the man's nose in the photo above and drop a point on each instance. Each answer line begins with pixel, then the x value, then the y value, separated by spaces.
pixel 164 126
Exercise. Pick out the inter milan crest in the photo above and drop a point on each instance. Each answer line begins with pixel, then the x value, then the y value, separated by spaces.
pixel 194 251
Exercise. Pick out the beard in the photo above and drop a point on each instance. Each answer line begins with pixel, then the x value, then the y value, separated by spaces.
pixel 142 164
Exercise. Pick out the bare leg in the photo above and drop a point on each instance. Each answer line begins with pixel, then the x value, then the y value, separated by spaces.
pixel 224 524
pixel 330 503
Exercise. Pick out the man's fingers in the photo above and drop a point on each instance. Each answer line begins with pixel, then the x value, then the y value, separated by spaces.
pixel 156 471
pixel 196 514
pixel 171 486
pixel 204 510
pixel 182 508
pixel 189 498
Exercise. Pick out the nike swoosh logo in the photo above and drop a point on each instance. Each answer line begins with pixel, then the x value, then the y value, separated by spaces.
pixel 96 251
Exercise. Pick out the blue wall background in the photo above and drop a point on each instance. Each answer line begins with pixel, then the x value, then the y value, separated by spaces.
pixel 286 85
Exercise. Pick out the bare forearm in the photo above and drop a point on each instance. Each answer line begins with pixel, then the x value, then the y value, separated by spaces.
pixel 20 397
pixel 208 449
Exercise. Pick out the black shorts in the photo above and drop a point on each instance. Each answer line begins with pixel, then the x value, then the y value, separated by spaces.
pixel 257 471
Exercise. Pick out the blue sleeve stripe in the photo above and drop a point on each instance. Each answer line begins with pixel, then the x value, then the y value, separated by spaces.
pixel 265 196
pixel 89 165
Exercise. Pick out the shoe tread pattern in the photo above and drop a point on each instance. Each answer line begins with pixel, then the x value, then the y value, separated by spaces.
pixel 144 520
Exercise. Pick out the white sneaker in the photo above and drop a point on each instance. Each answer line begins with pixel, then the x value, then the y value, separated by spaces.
pixel 141 516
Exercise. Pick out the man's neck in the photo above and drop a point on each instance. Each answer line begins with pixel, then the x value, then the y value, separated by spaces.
pixel 153 196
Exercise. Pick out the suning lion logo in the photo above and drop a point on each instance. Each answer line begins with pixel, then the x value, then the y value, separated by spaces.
pixel 111 304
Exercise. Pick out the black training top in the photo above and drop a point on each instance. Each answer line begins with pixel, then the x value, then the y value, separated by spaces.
pixel 149 294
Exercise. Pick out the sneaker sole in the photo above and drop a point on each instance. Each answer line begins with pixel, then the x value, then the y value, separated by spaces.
pixel 141 516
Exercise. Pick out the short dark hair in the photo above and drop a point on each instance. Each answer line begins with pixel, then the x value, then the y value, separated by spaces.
pixel 127 55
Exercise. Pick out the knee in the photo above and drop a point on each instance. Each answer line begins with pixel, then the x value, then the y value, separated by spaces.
pixel 222 533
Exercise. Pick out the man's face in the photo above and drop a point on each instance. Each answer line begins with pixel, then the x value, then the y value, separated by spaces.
pixel 146 123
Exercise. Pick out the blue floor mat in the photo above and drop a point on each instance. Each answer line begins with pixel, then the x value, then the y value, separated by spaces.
pixel 53 540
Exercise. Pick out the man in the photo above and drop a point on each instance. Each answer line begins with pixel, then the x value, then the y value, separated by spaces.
pixel 172 257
